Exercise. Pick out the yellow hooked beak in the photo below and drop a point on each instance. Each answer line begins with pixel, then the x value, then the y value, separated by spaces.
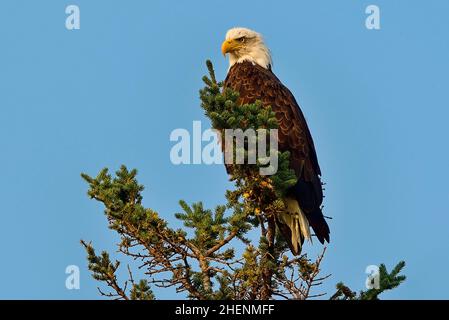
pixel 230 46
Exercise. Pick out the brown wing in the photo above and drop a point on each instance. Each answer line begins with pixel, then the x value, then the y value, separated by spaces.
pixel 256 83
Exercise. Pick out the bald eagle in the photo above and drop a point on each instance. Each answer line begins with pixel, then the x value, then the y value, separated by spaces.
pixel 250 74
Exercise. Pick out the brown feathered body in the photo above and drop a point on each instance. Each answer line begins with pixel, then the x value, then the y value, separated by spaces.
pixel 254 82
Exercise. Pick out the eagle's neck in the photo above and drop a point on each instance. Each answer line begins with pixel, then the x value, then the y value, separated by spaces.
pixel 257 54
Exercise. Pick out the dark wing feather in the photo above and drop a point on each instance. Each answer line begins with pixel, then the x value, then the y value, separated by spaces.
pixel 256 83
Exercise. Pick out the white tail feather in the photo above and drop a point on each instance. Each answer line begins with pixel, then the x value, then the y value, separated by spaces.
pixel 296 221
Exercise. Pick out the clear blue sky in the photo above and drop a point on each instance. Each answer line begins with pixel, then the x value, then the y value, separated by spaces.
pixel 111 93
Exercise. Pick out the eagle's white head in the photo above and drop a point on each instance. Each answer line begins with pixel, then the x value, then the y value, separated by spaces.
pixel 246 45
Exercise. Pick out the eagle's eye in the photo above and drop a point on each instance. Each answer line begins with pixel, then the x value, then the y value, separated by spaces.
pixel 241 39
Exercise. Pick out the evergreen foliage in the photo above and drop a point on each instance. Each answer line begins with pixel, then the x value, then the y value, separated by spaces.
pixel 200 259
